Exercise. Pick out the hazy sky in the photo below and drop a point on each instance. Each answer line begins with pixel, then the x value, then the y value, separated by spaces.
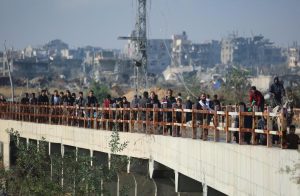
pixel 100 22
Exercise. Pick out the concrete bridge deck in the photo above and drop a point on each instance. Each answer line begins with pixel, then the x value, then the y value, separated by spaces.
pixel 231 169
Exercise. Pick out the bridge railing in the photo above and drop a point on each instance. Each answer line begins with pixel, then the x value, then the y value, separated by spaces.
pixel 253 128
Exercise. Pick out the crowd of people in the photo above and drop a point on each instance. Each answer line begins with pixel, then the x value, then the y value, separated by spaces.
pixel 151 100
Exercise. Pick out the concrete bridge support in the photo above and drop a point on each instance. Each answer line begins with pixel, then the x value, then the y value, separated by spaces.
pixel 5 150
pixel 139 170
pixel 173 181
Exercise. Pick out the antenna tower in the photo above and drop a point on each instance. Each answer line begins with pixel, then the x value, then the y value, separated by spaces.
pixel 139 40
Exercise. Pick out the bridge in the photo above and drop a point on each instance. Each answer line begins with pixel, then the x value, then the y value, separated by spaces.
pixel 214 165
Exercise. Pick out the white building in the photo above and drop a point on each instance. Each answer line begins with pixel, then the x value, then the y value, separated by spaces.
pixel 180 50
pixel 294 57
pixel 28 52
pixel 65 54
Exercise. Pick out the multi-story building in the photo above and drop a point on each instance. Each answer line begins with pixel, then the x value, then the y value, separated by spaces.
pixel 249 51
pixel 236 50
pixel 180 50
pixel 205 54
pixel 107 60
pixel 294 56
pixel 159 55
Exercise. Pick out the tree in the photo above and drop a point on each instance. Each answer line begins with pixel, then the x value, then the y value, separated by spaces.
pixel 100 90
pixel 236 85
pixel 38 173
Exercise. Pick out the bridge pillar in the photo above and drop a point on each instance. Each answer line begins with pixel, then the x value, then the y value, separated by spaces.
pixel 109 158
pixel 27 142
pixel 128 164
pixel 158 170
pixel 151 167
pixel 91 155
pixel 5 148
pixel 204 189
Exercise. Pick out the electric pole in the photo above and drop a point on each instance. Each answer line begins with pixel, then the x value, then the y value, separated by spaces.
pixel 139 40
pixel 8 61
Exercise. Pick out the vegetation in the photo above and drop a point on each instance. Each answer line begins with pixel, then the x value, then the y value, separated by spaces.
pixel 236 85
pixel 294 171
pixel 100 90
pixel 35 172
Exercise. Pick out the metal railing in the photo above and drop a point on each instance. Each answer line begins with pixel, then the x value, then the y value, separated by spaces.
pixel 264 128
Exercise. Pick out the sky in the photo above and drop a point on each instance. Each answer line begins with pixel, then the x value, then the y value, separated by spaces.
pixel 99 22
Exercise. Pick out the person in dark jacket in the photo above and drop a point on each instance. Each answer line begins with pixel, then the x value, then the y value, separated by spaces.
pixel 216 104
pixel 91 102
pixel 68 99
pixel 80 100
pixel 91 99
pixel 154 99
pixel 292 139
pixel 178 117
pixel 168 103
pixel 144 103
pixel 25 99
pixel 62 97
pixel 188 105
pixel 33 100
pixel 135 101
pixel 277 91
pixel 43 98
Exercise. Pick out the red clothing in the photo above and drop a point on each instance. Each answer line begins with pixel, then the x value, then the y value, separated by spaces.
pixel 106 103
pixel 258 98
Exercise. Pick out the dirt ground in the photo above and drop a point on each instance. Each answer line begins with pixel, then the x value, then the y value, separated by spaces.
pixel 6 91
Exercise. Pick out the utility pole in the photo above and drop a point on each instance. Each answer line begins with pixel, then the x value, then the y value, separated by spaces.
pixel 141 31
pixel 9 62
pixel 139 39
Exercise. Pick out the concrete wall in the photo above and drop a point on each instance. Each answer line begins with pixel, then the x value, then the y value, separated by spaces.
pixel 262 83
pixel 229 168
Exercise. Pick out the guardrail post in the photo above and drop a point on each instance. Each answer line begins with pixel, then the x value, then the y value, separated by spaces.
pixel 227 124
pixel 254 122
pixel 269 127
pixel 183 120
pixel 95 117
pixel 155 119
pixel 51 111
pixel 173 127
pixel 131 116
pixel 216 122
pixel 110 118
pixel 85 116
pixel 126 115
pixel 194 119
pixel 164 119
pixel 282 128
pixel 103 122
pixel 241 125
